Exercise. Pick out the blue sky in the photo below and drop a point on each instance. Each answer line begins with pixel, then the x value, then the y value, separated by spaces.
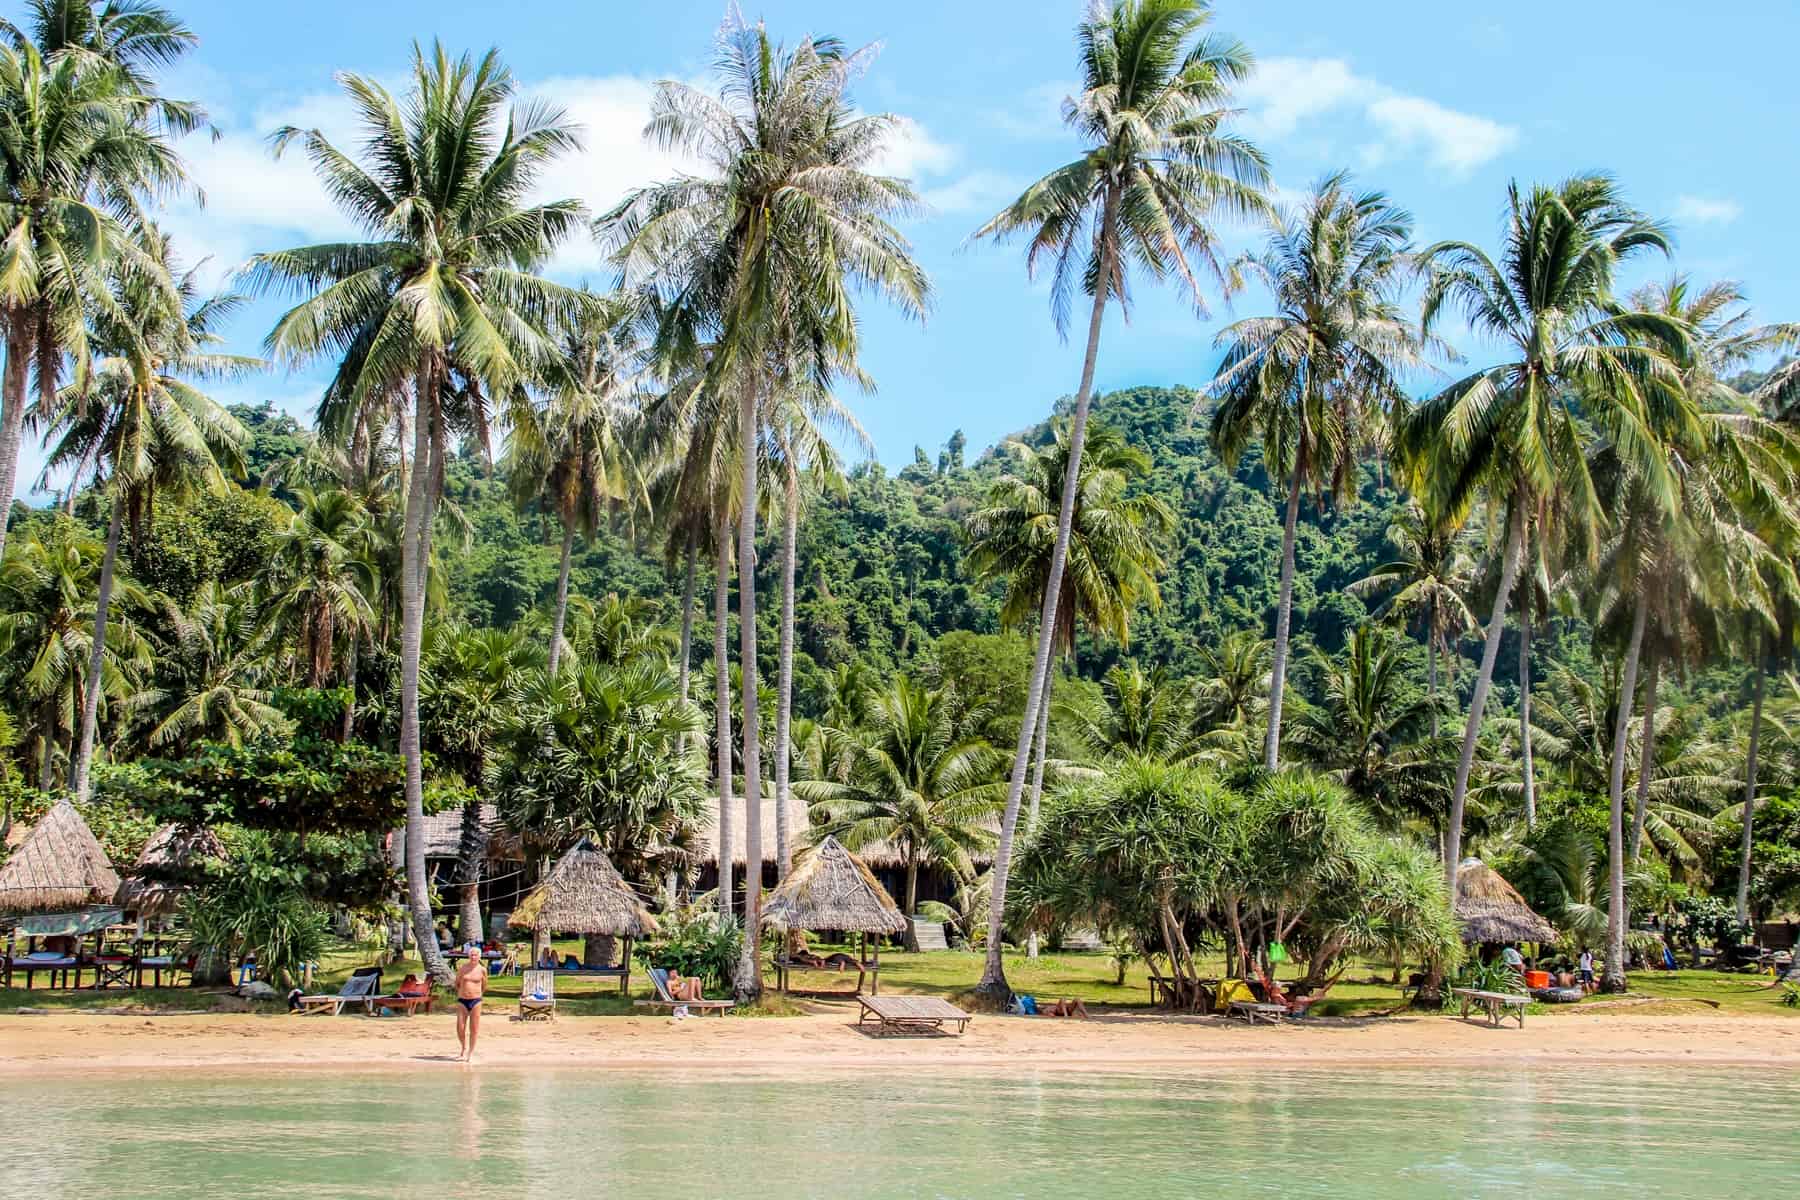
pixel 1438 104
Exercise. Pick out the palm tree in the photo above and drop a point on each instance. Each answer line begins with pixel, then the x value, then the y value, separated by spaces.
pixel 1311 379
pixel 76 156
pixel 442 300
pixel 1513 430
pixel 574 456
pixel 759 258
pixel 131 37
pixel 48 585
pixel 1148 714
pixel 1374 730
pixel 212 674
pixel 467 687
pixel 918 780
pixel 1234 683
pixel 1156 168
pixel 1111 560
pixel 321 579
pixel 144 423
pixel 1426 583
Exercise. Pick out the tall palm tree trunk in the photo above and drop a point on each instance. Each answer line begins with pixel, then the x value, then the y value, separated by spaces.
pixel 349 726
pixel 685 669
pixel 784 695
pixel 1431 670
pixel 911 941
pixel 471 853
pixel 749 981
pixel 90 696
pixel 993 973
pixel 12 422
pixel 1756 711
pixel 1037 785
pixel 562 594
pixel 1646 752
pixel 1484 680
pixel 722 696
pixel 1284 615
pixel 414 552
pixel 1617 920
pixel 1526 775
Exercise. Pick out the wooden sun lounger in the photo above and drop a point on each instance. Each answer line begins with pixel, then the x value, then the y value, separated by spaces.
pixel 659 978
pixel 1494 1004
pixel 911 1014
pixel 1252 1011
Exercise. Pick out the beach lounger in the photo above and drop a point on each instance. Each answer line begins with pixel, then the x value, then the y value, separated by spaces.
pixel 659 978
pixel 362 987
pixel 1253 1011
pixel 537 983
pixel 1495 1004
pixel 911 1014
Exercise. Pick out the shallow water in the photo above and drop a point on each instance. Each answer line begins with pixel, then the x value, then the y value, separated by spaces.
pixel 1246 1132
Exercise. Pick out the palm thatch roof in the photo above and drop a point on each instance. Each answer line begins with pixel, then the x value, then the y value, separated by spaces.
pixel 59 866
pixel 443 835
pixel 830 888
pixel 165 869
pixel 1491 909
pixel 706 836
pixel 583 893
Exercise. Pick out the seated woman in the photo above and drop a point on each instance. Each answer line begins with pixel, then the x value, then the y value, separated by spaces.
pixel 547 960
pixel 684 987
pixel 412 985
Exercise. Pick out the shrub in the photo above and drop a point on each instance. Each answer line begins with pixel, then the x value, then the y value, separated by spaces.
pixel 697 941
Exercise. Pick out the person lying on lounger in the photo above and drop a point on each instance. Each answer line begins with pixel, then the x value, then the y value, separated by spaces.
pixel 684 987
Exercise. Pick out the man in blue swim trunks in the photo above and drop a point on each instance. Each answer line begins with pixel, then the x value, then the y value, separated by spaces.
pixel 471 982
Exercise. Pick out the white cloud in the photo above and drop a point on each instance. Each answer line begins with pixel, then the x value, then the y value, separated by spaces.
pixel 1286 93
pixel 1707 210
pixel 912 153
pixel 979 191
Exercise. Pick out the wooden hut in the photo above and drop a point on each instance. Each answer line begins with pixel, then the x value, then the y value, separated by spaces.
pixel 584 893
pixel 59 867
pixel 1492 912
pixel 830 888
pixel 166 868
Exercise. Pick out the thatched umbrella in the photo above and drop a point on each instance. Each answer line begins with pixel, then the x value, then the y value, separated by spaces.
pixel 830 888
pixel 1491 909
pixel 59 866
pixel 584 893
pixel 165 869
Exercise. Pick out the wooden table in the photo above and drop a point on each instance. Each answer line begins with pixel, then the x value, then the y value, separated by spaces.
pixel 1494 1004
pixel 1253 1012
pixel 911 1014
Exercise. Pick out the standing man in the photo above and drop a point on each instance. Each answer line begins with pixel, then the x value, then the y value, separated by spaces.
pixel 471 982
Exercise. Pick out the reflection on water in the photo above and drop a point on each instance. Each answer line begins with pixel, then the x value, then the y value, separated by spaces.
pixel 1248 1132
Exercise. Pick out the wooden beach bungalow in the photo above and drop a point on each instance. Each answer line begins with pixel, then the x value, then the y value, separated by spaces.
pixel 1492 912
pixel 830 889
pixel 584 893
pixel 58 887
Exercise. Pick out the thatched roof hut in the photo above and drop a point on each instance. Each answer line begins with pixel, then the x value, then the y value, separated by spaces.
pixel 443 835
pixel 706 835
pixel 830 888
pixel 1491 909
pixel 583 893
pixel 165 869
pixel 59 866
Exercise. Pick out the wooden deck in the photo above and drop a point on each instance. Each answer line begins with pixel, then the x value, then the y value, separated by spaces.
pixel 911 1014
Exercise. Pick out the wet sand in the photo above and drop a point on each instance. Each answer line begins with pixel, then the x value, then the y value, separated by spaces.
pixel 828 1039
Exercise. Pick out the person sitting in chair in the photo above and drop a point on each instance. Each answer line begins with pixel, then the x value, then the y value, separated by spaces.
pixel 684 987
pixel 412 985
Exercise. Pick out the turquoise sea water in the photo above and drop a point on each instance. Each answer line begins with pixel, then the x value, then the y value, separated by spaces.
pixel 1246 1132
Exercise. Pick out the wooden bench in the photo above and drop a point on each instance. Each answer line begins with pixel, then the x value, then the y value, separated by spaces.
pixel 1252 1011
pixel 911 1014
pixel 1494 1004
pixel 622 973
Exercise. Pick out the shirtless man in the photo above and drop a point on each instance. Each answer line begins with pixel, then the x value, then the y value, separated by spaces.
pixel 471 982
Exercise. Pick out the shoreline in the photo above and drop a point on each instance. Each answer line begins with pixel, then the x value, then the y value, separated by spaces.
pixel 65 1045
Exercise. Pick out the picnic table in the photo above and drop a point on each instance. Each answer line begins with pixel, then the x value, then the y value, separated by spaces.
pixel 911 1014
pixel 1494 1004
pixel 1254 1011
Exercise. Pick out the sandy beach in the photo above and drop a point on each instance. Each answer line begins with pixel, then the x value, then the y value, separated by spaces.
pixel 826 1040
